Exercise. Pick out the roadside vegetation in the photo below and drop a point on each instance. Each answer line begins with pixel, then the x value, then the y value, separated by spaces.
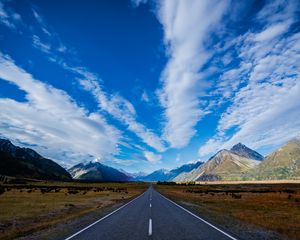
pixel 27 207
pixel 251 211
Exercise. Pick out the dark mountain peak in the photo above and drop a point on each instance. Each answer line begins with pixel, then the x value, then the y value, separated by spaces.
pixel 26 163
pixel 4 140
pixel 96 171
pixel 243 151
pixel 6 145
pixel 239 145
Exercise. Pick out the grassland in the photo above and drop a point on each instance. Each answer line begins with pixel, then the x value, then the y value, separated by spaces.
pixel 251 211
pixel 37 206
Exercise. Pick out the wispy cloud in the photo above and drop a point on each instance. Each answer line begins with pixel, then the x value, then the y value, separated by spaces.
pixel 152 157
pixel 187 25
pixel 114 104
pixel 8 17
pixel 41 22
pixel 264 110
pixel 37 43
pixel 145 97
pixel 122 110
pixel 136 3
pixel 51 119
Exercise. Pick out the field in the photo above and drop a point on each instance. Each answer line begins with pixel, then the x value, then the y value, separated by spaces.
pixel 40 206
pixel 251 211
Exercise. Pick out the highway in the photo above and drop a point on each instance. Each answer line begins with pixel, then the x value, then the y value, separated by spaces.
pixel 151 216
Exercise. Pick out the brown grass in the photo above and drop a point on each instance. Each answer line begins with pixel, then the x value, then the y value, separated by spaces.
pixel 274 207
pixel 27 208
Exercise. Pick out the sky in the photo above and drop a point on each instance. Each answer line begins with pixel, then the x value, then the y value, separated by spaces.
pixel 142 85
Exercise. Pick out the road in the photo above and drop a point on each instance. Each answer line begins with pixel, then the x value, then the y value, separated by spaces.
pixel 151 216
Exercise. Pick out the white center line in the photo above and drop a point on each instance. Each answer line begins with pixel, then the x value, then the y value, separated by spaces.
pixel 150 205
pixel 150 227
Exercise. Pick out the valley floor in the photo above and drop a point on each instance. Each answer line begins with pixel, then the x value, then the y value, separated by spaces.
pixel 50 210
pixel 251 211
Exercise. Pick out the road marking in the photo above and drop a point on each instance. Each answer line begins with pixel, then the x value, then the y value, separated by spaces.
pixel 150 227
pixel 201 219
pixel 75 234
pixel 150 205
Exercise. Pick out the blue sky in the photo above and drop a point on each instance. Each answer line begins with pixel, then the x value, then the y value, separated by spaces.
pixel 142 85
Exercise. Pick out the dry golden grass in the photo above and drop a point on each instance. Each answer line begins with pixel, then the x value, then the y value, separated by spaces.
pixel 27 208
pixel 274 207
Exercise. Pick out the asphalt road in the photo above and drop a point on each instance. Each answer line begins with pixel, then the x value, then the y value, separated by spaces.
pixel 151 216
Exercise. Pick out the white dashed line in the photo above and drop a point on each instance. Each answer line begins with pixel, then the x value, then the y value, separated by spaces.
pixel 150 227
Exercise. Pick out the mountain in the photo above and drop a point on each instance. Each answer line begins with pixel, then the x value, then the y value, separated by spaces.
pixel 138 175
pixel 224 165
pixel 185 168
pixel 26 163
pixel 284 163
pixel 158 175
pixel 243 151
pixel 96 171
pixel 165 175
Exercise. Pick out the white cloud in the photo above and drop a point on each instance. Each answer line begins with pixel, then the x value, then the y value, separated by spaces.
pixel 37 43
pixel 121 109
pixel 187 25
pixel 114 104
pixel 272 31
pixel 264 111
pixel 51 120
pixel 137 3
pixel 152 157
pixel 145 97
pixel 8 18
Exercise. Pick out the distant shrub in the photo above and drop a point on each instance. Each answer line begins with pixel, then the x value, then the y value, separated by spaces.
pixel 236 196
pixel 73 191
pixel 166 183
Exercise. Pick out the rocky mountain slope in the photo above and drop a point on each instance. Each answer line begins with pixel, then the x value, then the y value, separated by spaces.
pixel 26 163
pixel 96 171
pixel 284 163
pixel 243 151
pixel 225 165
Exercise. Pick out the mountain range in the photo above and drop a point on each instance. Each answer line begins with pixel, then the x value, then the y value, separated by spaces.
pixel 27 163
pixel 224 165
pixel 168 175
pixel 95 171
pixel 238 163
pixel 243 163
pixel 283 163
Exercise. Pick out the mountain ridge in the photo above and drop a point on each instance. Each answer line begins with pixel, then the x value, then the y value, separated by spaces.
pixel 169 175
pixel 98 172
pixel 21 162
pixel 243 151
pixel 224 165
pixel 283 163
